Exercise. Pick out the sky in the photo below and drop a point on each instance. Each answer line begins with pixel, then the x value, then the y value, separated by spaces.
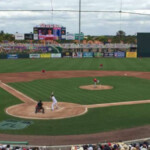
pixel 92 23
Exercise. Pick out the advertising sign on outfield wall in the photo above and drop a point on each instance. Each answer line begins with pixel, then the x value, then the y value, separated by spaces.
pixel 12 56
pixel 56 55
pixel 45 55
pixel 77 54
pixel 119 54
pixel 98 54
pixel 111 54
pixel 67 54
pixel 23 55
pixel 34 56
pixel 131 55
pixel 88 54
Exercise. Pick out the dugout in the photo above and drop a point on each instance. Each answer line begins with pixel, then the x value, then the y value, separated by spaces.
pixel 143 44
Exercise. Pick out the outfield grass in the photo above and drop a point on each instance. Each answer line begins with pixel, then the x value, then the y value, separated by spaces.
pixel 28 65
pixel 67 89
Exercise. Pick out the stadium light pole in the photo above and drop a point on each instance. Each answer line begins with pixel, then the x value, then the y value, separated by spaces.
pixel 79 21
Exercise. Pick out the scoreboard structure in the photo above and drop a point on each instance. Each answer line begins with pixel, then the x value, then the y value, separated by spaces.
pixel 49 32
pixel 143 44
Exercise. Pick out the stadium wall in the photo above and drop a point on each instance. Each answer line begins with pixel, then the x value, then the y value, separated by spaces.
pixel 143 44
pixel 71 55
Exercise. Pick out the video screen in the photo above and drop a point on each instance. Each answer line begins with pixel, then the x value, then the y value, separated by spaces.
pixel 49 33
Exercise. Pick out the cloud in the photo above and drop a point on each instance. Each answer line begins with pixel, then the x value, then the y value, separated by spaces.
pixel 92 23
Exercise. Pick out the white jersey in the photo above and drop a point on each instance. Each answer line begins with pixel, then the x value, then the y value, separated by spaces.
pixel 54 99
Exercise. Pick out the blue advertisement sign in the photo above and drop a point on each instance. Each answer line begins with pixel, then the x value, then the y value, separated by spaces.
pixel 12 56
pixel 88 54
pixel 119 54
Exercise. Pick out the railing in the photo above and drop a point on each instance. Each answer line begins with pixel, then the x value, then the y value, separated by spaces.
pixel 15 142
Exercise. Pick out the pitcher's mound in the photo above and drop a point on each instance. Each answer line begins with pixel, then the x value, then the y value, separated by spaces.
pixel 98 87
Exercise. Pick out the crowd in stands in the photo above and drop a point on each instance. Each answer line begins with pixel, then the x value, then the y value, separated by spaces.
pixel 39 48
pixel 107 146
pixel 11 147
pixel 114 146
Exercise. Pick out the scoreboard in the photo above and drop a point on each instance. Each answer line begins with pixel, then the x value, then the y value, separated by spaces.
pixel 49 32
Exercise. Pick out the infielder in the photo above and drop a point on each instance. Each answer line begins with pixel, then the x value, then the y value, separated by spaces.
pixel 54 102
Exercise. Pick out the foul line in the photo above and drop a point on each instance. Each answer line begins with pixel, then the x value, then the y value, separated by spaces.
pixel 5 86
pixel 118 104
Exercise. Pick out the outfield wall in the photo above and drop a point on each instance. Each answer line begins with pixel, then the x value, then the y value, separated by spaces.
pixel 71 55
pixel 143 46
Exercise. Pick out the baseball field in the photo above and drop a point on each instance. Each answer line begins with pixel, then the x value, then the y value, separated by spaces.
pixel 124 107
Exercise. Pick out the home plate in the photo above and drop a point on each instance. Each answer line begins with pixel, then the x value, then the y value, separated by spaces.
pixel 47 108
pixel 58 109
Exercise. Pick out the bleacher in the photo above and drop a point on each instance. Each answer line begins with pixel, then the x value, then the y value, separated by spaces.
pixel 141 144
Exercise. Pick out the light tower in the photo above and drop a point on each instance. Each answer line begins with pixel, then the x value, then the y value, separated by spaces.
pixel 79 21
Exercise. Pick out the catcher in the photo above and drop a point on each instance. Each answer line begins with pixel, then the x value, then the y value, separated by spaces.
pixel 39 107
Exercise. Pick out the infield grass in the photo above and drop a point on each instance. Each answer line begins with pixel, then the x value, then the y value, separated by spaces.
pixel 67 89
pixel 28 65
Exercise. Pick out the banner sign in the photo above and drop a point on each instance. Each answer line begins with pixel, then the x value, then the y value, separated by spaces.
pixel 12 56
pixel 3 56
pixel 63 37
pixel 98 54
pixel 19 36
pixel 77 54
pixel 87 54
pixel 23 55
pixel 34 56
pixel 56 55
pixel 45 55
pixel 35 37
pixel 131 55
pixel 28 36
pixel 119 54
pixel 109 54
pixel 70 36
pixel 77 36
pixel 67 54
